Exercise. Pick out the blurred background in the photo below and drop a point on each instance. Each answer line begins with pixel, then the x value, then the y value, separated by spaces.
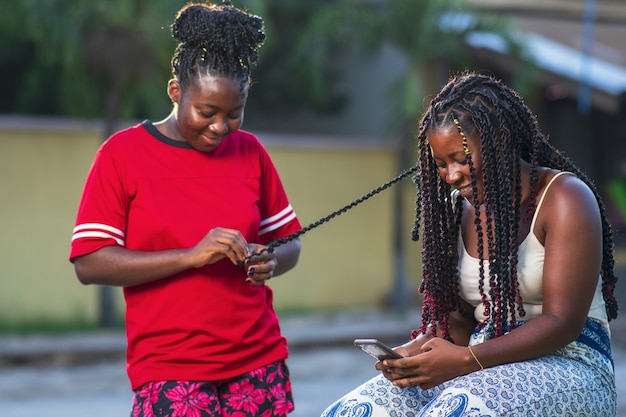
pixel 335 98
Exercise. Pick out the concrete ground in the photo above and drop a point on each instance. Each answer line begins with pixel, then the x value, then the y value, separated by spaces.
pixel 84 375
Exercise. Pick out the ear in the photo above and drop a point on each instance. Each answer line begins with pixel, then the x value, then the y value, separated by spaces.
pixel 174 90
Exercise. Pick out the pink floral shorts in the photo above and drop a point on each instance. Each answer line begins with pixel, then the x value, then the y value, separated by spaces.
pixel 264 392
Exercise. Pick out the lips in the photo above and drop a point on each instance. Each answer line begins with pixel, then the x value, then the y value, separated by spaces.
pixel 465 191
pixel 212 141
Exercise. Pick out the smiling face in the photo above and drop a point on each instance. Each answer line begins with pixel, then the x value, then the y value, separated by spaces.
pixel 446 145
pixel 207 110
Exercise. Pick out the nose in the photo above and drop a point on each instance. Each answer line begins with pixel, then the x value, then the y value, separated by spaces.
pixel 453 174
pixel 219 127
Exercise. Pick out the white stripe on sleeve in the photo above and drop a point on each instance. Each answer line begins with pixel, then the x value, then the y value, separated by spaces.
pixel 276 221
pixel 98 230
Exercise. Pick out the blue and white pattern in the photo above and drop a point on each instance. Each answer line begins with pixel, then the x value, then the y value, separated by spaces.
pixel 576 380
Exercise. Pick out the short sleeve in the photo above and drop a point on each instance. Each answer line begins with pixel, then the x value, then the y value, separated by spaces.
pixel 278 217
pixel 102 211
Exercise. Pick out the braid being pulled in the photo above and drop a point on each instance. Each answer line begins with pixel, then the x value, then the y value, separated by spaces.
pixel 484 107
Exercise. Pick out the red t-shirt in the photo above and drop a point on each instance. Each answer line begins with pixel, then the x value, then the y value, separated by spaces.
pixel 147 192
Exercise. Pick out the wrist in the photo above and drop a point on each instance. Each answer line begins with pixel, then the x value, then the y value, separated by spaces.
pixel 473 358
pixel 188 260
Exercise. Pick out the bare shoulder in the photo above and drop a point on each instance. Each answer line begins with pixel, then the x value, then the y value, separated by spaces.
pixel 568 190
pixel 568 203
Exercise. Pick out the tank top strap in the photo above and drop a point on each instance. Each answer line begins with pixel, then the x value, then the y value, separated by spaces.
pixel 545 191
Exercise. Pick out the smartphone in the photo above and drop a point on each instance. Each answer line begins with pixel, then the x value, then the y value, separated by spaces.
pixel 377 349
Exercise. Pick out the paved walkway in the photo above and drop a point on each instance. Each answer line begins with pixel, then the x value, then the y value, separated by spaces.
pixel 316 330
pixel 314 341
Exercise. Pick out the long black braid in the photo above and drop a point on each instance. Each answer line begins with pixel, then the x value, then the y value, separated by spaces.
pixel 483 106
pixel 220 40
pixel 274 244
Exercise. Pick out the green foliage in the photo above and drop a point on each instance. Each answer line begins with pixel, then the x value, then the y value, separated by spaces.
pixel 80 53
pixel 434 31
pixel 311 45
pixel 301 62
pixel 86 58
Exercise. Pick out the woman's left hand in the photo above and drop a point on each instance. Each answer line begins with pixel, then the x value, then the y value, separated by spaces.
pixel 261 266
pixel 439 361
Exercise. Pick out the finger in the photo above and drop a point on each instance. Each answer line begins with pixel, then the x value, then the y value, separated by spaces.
pixel 262 270
pixel 428 346
pixel 237 247
pixel 393 362
pixel 235 255
pixel 388 376
pixel 240 247
pixel 406 382
pixel 260 274
pixel 260 257
pixel 403 373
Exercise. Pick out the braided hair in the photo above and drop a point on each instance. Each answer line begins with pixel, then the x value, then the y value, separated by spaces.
pixel 217 40
pixel 483 106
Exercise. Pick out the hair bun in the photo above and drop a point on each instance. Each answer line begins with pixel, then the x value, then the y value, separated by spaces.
pixel 220 38
pixel 207 25
pixel 186 27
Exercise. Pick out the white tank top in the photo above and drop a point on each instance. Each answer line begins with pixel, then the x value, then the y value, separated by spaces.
pixel 530 275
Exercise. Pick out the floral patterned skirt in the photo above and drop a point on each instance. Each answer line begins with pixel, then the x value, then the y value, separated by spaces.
pixel 264 392
pixel 577 380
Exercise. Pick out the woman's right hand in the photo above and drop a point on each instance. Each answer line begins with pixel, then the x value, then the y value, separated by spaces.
pixel 118 266
pixel 410 348
pixel 217 244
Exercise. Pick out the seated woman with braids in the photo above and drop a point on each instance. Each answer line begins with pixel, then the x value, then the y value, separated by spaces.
pixel 517 273
pixel 180 213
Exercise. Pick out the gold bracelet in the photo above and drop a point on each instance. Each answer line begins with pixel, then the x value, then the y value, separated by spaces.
pixel 475 358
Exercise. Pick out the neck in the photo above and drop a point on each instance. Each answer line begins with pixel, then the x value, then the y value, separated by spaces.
pixel 169 127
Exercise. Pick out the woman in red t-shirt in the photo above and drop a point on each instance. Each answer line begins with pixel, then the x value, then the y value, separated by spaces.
pixel 175 212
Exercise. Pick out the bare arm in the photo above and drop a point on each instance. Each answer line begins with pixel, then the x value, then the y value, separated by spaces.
pixel 287 256
pixel 117 266
pixel 570 226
